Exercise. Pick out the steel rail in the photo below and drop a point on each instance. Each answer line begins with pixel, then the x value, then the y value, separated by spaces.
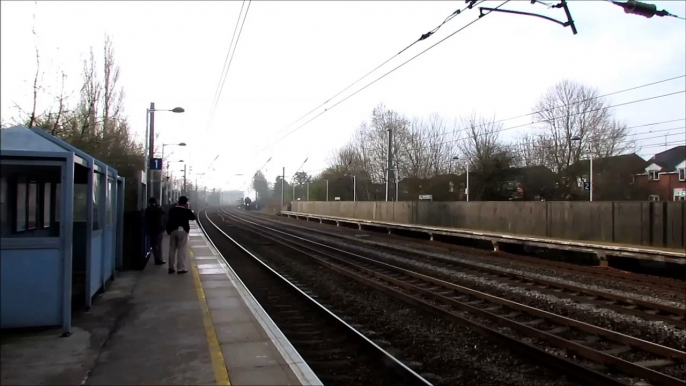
pixel 586 352
pixel 390 361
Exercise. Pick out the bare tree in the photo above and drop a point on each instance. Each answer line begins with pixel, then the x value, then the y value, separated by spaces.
pixel 36 87
pixel 110 104
pixel 485 154
pixel 570 110
pixel 528 150
pixel 90 96
pixel 480 145
pixel 61 99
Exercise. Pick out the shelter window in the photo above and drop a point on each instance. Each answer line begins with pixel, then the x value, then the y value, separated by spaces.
pixel 21 207
pixel 110 200
pixel 47 203
pixel 654 175
pixel 27 200
pixel 58 202
pixel 97 201
pixel 32 206
pixel 4 208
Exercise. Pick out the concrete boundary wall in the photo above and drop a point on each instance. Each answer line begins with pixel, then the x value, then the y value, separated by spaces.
pixel 656 224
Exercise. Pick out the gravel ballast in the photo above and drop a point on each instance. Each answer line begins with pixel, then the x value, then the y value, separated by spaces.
pixel 444 353
pixel 654 331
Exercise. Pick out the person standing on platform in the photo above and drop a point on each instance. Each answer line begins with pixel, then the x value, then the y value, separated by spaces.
pixel 154 221
pixel 178 228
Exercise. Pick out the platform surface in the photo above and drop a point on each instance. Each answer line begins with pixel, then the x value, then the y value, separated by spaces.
pixel 641 252
pixel 151 327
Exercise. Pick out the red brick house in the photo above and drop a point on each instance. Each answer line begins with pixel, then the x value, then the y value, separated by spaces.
pixel 664 178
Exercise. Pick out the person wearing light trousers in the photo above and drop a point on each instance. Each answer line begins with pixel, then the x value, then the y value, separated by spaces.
pixel 178 228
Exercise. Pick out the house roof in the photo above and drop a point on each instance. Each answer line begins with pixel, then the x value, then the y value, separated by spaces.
pixel 623 163
pixel 669 159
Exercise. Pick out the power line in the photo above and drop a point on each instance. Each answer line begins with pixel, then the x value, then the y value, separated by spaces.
pixel 233 54
pixel 529 124
pixel 423 37
pixel 562 106
pixel 225 74
pixel 226 60
pixel 379 66
pixel 513 147
pixel 381 77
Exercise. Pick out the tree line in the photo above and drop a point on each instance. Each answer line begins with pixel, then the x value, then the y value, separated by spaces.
pixel 95 122
pixel 570 121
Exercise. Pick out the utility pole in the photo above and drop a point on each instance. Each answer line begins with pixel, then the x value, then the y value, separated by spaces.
pixel 283 178
pixel 151 151
pixel 327 190
pixel 308 191
pixel 390 162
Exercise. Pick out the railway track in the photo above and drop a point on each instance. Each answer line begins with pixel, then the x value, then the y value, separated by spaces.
pixel 672 315
pixel 336 352
pixel 654 282
pixel 596 355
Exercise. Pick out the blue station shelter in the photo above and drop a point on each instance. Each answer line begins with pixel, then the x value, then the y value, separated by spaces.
pixel 61 227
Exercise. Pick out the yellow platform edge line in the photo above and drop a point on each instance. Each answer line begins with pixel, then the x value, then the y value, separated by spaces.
pixel 221 374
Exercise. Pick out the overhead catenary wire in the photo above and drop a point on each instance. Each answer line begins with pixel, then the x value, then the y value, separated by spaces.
pixel 570 115
pixel 421 38
pixel 226 59
pixel 381 77
pixel 639 146
pixel 221 88
pixel 518 116
pixel 569 105
pixel 529 124
pixel 511 146
pixel 233 54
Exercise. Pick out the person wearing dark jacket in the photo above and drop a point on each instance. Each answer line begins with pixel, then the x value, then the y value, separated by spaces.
pixel 154 223
pixel 178 228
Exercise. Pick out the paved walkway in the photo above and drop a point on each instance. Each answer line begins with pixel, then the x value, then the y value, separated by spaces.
pixel 150 327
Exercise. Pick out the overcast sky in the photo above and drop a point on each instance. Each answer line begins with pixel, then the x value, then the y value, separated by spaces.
pixel 293 56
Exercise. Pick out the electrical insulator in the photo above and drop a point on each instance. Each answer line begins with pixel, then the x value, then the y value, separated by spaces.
pixel 642 9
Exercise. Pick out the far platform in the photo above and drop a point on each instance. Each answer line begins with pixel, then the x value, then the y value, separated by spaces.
pixel 602 250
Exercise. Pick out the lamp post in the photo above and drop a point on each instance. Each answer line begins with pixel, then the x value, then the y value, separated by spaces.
pixel 327 190
pixel 166 195
pixel 466 191
pixel 161 171
pixel 184 180
pixel 590 165
pixel 150 140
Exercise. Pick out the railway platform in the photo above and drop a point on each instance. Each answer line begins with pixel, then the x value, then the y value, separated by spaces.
pixel 151 327
pixel 498 240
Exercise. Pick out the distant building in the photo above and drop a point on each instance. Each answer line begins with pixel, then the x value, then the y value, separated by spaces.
pixel 664 178
pixel 612 177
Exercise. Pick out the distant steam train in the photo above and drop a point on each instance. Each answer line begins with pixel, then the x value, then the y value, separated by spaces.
pixel 247 204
